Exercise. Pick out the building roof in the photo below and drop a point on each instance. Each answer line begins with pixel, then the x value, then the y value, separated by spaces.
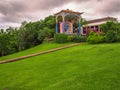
pixel 102 19
pixel 68 11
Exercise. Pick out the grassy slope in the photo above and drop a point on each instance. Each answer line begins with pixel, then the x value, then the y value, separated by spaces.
pixel 84 67
pixel 39 48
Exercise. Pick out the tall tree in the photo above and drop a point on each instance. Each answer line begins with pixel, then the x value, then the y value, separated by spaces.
pixel 4 42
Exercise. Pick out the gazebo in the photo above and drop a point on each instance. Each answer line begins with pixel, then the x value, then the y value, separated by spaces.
pixel 67 25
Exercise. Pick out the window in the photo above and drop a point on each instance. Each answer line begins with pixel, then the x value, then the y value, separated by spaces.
pixel 96 28
pixel 92 27
pixel 84 30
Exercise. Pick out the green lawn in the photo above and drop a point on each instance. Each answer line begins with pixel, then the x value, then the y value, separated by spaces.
pixel 83 67
pixel 39 48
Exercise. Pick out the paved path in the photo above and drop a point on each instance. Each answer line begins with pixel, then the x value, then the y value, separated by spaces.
pixel 40 53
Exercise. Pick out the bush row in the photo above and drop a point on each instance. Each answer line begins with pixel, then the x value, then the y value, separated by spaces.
pixel 64 38
pixel 93 38
pixel 109 37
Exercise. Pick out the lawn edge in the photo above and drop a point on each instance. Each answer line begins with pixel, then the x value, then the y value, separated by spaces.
pixel 39 53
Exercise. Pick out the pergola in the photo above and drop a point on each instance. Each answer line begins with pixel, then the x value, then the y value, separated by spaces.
pixel 63 26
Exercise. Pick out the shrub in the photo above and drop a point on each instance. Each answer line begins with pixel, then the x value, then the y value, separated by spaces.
pixel 111 36
pixel 70 38
pixel 61 38
pixel 79 39
pixel 95 38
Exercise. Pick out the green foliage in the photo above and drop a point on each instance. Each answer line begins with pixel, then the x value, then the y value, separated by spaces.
pixel 111 36
pixel 27 36
pixel 118 38
pixel 61 38
pixel 111 30
pixel 79 39
pixel 110 25
pixel 1 31
pixel 84 22
pixel 95 38
pixel 70 38
pixel 4 44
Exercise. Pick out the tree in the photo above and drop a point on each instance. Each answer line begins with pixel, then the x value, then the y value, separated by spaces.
pixel 95 38
pixel 84 22
pixel 50 23
pixel 26 36
pixel 110 25
pixel 111 36
pixel 112 30
pixel 1 30
pixel 4 42
pixel 45 33
pixel 23 23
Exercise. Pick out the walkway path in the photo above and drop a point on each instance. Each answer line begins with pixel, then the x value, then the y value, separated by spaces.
pixel 40 53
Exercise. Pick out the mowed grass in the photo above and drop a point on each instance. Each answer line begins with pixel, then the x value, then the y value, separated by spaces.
pixel 83 67
pixel 39 48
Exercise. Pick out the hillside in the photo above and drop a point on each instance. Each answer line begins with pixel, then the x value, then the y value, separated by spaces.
pixel 83 67
pixel 39 48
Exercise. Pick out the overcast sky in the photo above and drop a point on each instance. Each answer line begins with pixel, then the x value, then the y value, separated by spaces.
pixel 13 12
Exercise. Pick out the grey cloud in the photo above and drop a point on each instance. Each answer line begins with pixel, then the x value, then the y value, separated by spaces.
pixel 109 8
pixel 18 10
pixel 21 5
pixel 13 10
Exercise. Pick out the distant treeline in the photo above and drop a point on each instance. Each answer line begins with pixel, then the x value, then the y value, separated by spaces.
pixel 26 36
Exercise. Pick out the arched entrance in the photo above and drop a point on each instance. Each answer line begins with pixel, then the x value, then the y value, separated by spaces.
pixel 67 24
